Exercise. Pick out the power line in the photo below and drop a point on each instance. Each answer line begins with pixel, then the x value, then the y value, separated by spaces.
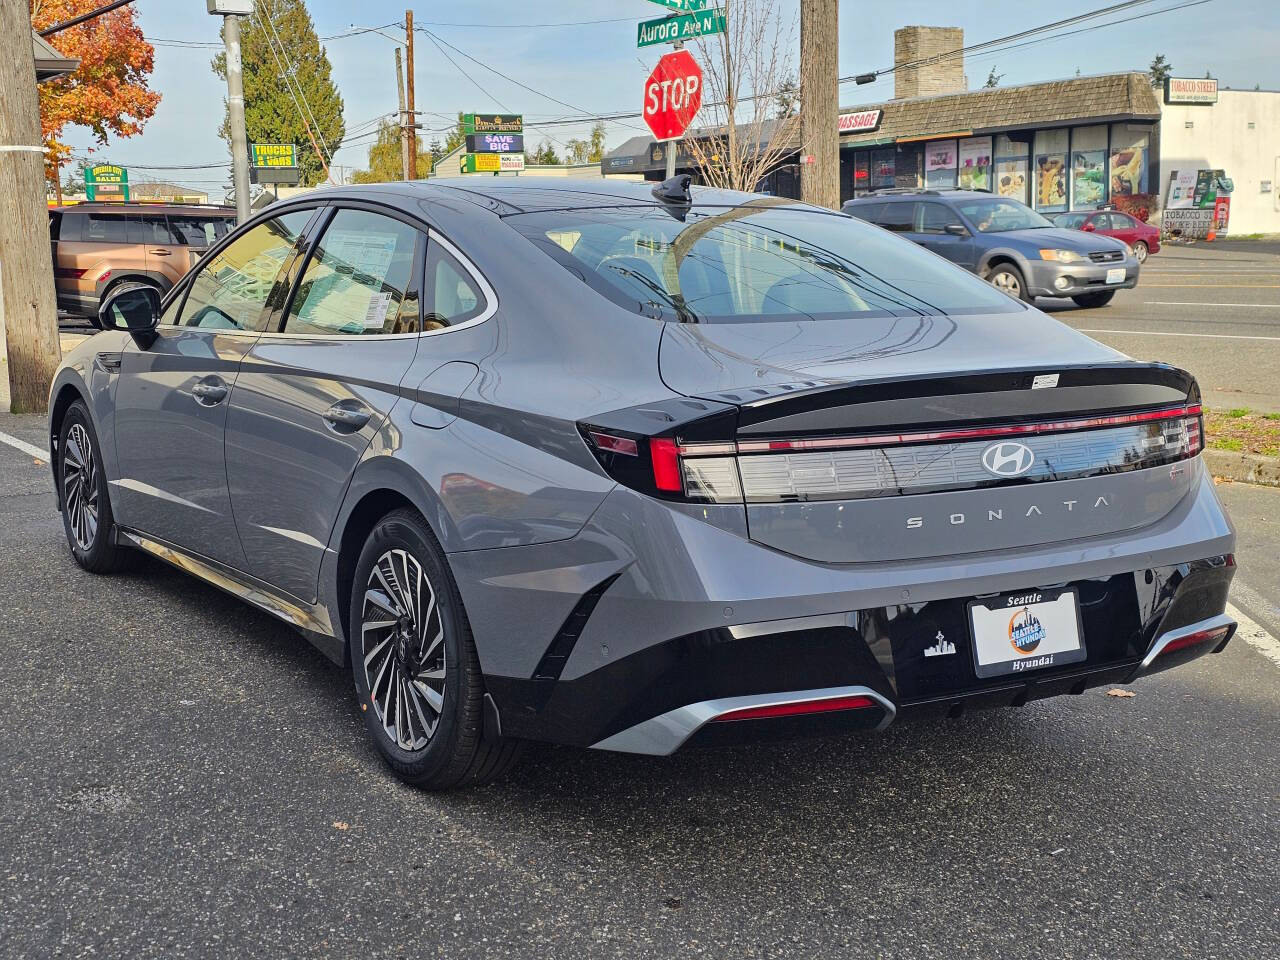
pixel 284 53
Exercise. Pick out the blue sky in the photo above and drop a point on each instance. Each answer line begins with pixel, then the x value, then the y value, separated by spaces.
pixel 597 68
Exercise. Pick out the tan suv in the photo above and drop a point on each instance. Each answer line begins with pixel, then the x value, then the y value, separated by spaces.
pixel 97 246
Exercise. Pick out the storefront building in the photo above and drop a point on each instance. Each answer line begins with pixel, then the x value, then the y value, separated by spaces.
pixel 1057 146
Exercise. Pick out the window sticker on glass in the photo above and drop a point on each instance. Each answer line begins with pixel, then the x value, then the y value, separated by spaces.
pixel 376 315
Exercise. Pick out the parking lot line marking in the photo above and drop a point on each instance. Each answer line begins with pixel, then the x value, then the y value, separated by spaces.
pixel 1221 286
pixel 28 448
pixel 1165 333
pixel 1252 633
pixel 1197 303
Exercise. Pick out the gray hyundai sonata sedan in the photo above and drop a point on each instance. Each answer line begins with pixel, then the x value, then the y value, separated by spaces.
pixel 635 468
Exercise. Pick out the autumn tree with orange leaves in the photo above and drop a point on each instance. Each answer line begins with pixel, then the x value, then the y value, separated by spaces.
pixel 109 93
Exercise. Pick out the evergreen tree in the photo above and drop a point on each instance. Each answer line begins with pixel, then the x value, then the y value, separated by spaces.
pixel 280 41
pixel 1160 70
pixel 545 155
pixel 596 153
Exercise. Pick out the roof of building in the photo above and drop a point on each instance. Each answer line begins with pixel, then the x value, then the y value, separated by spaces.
pixel 162 188
pixel 1056 103
pixel 49 62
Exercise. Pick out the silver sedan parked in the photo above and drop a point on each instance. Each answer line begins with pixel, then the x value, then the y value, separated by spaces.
pixel 635 467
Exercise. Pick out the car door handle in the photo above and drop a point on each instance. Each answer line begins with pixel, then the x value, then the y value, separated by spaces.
pixel 160 253
pixel 347 418
pixel 209 394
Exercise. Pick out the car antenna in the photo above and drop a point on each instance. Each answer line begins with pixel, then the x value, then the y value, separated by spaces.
pixel 674 191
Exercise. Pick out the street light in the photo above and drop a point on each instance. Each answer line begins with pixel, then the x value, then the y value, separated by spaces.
pixel 231 11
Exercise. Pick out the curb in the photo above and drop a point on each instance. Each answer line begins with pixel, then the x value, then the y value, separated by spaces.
pixel 1243 467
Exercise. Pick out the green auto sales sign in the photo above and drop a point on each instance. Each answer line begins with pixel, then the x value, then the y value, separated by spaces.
pixel 106 181
pixel 679 29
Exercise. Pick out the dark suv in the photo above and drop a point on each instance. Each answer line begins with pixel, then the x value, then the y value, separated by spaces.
pixel 1005 242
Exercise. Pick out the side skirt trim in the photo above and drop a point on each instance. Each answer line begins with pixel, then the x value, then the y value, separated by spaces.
pixel 310 617
pixel 667 732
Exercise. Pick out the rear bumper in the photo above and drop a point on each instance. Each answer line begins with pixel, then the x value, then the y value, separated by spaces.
pixel 693 618
pixel 1051 279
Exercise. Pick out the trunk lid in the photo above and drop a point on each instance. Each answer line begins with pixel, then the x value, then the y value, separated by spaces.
pixel 901 439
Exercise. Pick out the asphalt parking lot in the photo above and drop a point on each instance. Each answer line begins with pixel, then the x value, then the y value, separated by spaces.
pixel 187 777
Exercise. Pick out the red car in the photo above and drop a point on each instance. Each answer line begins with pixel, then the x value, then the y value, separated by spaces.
pixel 1144 238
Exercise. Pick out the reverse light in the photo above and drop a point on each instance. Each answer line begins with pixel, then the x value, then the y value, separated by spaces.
pixel 1062 256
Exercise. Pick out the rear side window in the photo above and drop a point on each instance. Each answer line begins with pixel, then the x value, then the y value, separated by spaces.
pixel 866 211
pixel 106 228
pixel 452 296
pixel 148 229
pixel 73 225
pixel 897 217
pixel 230 291
pixel 762 261
pixel 1072 221
pixel 357 282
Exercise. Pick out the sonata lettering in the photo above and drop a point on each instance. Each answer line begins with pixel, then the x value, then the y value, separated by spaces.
pixel 959 519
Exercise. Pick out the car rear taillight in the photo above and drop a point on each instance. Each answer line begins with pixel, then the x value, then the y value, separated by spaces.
pixel 1215 635
pixel 703 461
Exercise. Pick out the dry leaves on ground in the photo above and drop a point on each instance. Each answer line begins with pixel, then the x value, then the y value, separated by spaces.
pixel 1117 692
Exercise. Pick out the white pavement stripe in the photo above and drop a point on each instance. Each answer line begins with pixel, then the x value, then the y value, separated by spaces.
pixel 28 448
pixel 1163 333
pixel 1197 303
pixel 1253 634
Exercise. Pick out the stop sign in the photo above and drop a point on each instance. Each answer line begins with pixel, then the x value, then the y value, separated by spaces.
pixel 672 95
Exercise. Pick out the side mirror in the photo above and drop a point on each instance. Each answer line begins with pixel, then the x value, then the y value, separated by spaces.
pixel 1088 227
pixel 134 308
pixel 957 229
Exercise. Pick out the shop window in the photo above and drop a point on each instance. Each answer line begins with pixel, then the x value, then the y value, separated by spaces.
pixel 882 167
pixel 908 166
pixel 1011 168
pixel 861 174
pixel 1130 150
pixel 975 164
pixel 1088 167
pixel 940 165
pixel 1050 171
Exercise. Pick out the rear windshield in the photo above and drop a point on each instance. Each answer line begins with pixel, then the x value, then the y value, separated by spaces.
pixel 760 261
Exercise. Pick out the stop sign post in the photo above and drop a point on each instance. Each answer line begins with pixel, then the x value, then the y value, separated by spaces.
pixel 672 95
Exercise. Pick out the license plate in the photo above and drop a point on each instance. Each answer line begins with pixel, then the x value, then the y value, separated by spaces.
pixel 1025 631
pixel 1116 275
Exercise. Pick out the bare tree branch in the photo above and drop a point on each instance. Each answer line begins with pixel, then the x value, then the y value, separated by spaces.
pixel 741 69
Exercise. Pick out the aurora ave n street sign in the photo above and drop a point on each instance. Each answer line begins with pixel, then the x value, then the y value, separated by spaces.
pixel 679 29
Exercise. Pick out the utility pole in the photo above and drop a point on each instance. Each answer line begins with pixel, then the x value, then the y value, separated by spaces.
pixel 820 103
pixel 235 116
pixel 413 114
pixel 406 132
pixel 673 146
pixel 28 309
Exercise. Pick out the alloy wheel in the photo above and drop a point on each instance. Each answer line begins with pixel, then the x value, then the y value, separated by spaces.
pixel 402 642
pixel 1140 252
pixel 80 487
pixel 1008 283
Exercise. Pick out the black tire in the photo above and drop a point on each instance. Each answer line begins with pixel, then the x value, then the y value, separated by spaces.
pixel 1007 278
pixel 82 488
pixel 1091 300
pixel 1140 251
pixel 454 751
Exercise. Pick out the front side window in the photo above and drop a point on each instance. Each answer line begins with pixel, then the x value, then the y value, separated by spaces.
pixel 936 217
pixel 231 289
pixel 357 282
pixel 759 262
pixel 1000 214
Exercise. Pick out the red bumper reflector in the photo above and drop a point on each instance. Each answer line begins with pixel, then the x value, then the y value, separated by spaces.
pixel 794 709
pixel 1195 639
pixel 611 444
pixel 665 454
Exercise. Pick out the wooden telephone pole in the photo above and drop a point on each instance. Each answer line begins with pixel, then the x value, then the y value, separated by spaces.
pixel 406 131
pixel 412 117
pixel 820 103
pixel 28 308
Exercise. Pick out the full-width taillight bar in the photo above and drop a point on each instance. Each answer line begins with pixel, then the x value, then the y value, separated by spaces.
pixel 946 436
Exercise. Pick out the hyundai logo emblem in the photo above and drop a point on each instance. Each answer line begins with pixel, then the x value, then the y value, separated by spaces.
pixel 1008 459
